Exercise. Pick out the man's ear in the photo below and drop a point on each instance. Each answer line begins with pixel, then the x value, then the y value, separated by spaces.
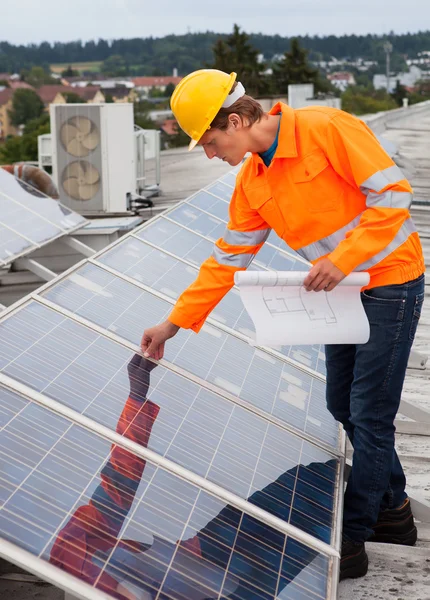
pixel 235 121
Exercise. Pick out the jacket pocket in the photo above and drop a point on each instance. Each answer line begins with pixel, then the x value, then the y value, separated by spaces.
pixel 317 182
pixel 261 200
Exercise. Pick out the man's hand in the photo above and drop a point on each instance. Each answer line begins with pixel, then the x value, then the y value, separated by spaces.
pixel 324 275
pixel 153 339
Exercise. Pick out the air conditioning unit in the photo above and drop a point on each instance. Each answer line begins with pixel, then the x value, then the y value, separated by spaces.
pixel 93 153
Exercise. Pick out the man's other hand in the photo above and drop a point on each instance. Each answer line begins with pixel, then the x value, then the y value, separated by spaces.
pixel 324 275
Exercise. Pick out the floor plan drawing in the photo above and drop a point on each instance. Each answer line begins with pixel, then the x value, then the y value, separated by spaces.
pixel 282 300
pixel 284 312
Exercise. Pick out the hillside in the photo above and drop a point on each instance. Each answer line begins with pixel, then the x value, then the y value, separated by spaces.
pixel 150 56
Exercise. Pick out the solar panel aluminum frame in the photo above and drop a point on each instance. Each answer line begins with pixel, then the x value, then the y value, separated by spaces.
pixel 48 572
pixel 35 245
pixel 168 465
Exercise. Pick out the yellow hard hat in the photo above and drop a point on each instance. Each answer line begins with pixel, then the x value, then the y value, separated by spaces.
pixel 197 100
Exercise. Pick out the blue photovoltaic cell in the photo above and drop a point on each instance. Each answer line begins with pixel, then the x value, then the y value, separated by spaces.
pixel 230 179
pixel 198 221
pixel 11 244
pixel 220 189
pixel 119 520
pixel 181 242
pixel 210 204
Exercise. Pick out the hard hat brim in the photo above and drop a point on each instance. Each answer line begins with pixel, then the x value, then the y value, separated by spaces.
pixel 192 145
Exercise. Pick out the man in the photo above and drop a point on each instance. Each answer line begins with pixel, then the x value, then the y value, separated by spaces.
pixel 322 181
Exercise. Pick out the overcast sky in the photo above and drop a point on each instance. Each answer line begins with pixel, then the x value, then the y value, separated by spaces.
pixel 27 21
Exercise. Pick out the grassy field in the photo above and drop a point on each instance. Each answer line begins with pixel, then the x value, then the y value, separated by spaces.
pixel 83 66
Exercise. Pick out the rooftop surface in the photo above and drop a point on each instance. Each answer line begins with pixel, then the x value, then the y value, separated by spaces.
pixel 395 573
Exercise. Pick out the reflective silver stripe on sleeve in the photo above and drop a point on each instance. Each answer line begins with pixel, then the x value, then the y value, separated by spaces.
pixel 381 179
pixel 246 238
pixel 327 244
pixel 402 235
pixel 390 199
pixel 232 260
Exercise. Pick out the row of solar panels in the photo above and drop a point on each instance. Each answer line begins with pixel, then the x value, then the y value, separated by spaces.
pixel 226 482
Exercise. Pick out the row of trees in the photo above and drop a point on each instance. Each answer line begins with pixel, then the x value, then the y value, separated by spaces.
pixel 155 56
pixel 236 53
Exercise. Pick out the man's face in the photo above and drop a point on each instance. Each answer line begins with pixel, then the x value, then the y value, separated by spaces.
pixel 229 145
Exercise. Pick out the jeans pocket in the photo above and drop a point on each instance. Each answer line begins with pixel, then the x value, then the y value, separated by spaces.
pixel 418 305
pixel 386 293
pixel 385 304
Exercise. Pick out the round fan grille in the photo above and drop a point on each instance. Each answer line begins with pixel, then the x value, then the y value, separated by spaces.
pixel 80 180
pixel 79 136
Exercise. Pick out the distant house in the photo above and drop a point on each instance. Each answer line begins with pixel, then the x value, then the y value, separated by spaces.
pixel 91 94
pixel 143 85
pixel 6 127
pixel 120 94
pixel 169 127
pixel 57 94
pixel 341 79
pixel 406 79
pixel 20 85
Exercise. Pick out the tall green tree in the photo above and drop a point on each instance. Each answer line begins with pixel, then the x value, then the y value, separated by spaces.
pixel 141 115
pixel 237 54
pixel 37 76
pixel 359 100
pixel 22 148
pixel 26 105
pixel 69 72
pixel 73 98
pixel 294 68
pixel 399 93
pixel 170 88
pixel 115 66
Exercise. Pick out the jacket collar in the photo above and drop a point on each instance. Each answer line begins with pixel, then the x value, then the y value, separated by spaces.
pixel 287 147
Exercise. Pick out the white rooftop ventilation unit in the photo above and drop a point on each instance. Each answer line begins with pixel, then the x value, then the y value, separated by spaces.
pixel 93 151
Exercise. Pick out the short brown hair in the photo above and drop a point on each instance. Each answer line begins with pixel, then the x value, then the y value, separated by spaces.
pixel 246 107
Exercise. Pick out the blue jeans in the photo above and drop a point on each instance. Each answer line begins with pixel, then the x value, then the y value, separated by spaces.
pixel 364 385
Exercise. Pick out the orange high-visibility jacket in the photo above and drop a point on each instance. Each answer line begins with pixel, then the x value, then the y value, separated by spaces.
pixel 330 191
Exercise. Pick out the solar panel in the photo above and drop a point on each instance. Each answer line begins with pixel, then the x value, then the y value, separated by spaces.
pixel 155 533
pixel 30 219
pixel 215 473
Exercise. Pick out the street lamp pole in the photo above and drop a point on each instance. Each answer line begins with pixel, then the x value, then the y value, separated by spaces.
pixel 388 48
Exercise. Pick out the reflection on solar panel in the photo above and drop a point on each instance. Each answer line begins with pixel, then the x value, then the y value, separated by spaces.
pixel 30 219
pixel 215 473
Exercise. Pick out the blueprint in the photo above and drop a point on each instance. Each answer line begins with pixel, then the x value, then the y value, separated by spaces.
pixel 284 313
